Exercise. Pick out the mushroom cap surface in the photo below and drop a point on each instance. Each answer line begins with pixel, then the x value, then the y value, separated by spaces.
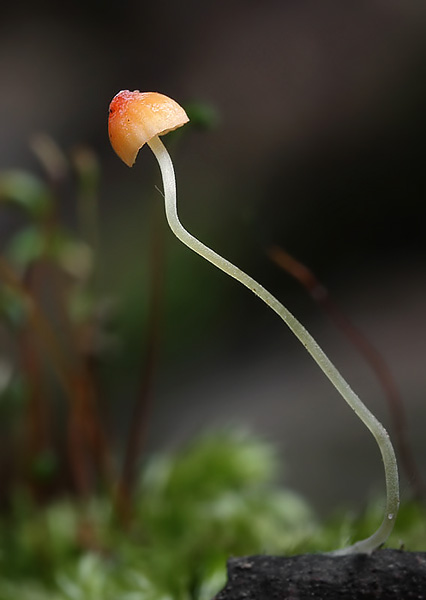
pixel 136 117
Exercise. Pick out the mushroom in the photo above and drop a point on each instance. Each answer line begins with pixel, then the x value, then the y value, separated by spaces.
pixel 137 118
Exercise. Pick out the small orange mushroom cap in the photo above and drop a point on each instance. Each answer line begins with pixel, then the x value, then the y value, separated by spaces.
pixel 136 117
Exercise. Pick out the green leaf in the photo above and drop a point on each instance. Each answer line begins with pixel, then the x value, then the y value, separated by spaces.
pixel 12 307
pixel 27 192
pixel 26 246
pixel 33 243
pixel 202 116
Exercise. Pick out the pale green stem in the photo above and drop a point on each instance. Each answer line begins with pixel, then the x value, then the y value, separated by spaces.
pixel 380 434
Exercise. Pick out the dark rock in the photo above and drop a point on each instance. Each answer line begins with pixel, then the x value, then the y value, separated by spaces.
pixel 383 575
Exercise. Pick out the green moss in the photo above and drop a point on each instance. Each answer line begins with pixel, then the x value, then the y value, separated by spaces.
pixel 215 498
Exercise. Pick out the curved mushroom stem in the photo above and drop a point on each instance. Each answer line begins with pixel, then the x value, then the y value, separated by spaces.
pixel 380 434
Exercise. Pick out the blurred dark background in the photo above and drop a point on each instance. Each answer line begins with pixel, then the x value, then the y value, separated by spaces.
pixel 318 146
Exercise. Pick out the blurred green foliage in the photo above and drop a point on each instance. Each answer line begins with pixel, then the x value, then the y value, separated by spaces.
pixel 193 509
pixel 27 192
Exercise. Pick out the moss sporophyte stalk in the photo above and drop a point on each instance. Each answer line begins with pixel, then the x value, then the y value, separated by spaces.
pixel 137 118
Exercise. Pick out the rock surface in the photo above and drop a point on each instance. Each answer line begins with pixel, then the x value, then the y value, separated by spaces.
pixel 385 574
